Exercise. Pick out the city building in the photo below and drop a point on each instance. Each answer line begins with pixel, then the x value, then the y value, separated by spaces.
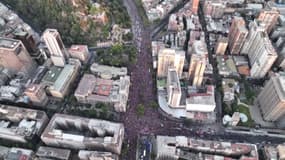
pixel 21 125
pixel 261 55
pixel 187 148
pixel 3 152
pixel 271 152
pixel 221 46
pixel 58 53
pixel 93 90
pixel 269 15
pixel 195 6
pixel 49 153
pixel 96 155
pixel 201 102
pixel 59 79
pixel 226 66
pixel 173 88
pixel 271 99
pixel 82 133
pixel 175 23
pixel 19 154
pixel 36 94
pixel 198 62
pixel 12 26
pixel 214 8
pixel 170 58
pixel 80 52
pixel 254 28
pixel 237 35
pixel 108 72
pixel 15 57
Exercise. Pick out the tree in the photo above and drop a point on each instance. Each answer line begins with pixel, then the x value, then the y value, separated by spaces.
pixel 140 110
pixel 153 104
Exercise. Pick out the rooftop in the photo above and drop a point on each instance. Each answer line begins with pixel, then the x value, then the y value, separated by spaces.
pixel 52 75
pixel 108 72
pixel 97 133
pixel 49 152
pixel 78 48
pixel 8 43
pixel 172 146
pixel 97 155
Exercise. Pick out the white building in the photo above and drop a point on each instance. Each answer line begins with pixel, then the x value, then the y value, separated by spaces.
pixel 56 47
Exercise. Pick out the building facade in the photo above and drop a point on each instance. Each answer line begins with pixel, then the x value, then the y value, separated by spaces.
pixel 37 94
pixel 198 62
pixel 173 88
pixel 272 99
pixel 237 35
pixel 170 58
pixel 269 15
pixel 15 57
pixel 56 47
pixel 195 6
pixel 261 55
pixel 254 28
pixel 221 46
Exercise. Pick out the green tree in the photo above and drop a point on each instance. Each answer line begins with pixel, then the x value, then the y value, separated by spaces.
pixel 140 110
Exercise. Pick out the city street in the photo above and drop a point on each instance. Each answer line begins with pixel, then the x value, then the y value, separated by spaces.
pixel 142 92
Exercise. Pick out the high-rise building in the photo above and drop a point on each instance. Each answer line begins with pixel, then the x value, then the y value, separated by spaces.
pixel 269 15
pixel 272 99
pixel 261 55
pixel 254 28
pixel 214 8
pixel 198 63
pixel 15 57
pixel 195 6
pixel 56 47
pixel 221 46
pixel 170 58
pixel 237 35
pixel 173 88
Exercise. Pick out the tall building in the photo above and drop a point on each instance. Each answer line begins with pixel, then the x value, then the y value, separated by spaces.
pixel 173 88
pixel 56 47
pixel 269 15
pixel 170 58
pixel 214 8
pixel 195 6
pixel 237 35
pixel 261 55
pixel 254 28
pixel 272 99
pixel 15 57
pixel 221 46
pixel 198 63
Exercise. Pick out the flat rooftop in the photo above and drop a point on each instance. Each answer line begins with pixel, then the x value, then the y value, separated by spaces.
pixel 108 72
pixel 8 43
pixel 85 133
pixel 172 146
pixel 78 48
pixel 52 75
pixel 50 152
